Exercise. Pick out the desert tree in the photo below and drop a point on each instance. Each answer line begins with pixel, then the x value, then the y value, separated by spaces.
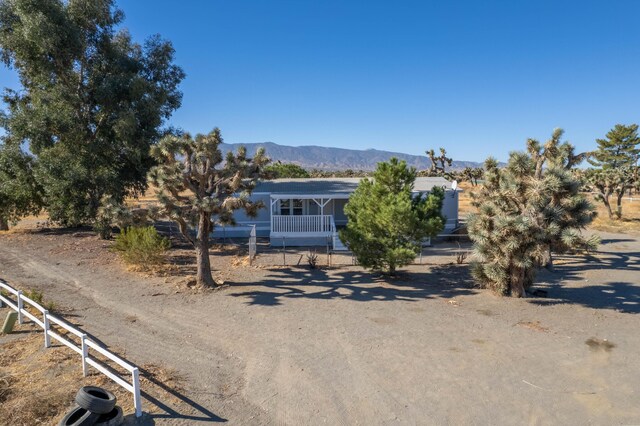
pixel 471 175
pixel 605 183
pixel 198 188
pixel 616 159
pixel 525 211
pixel 438 162
pixel 387 223
pixel 286 170
pixel 20 194
pixel 91 101
pixel 619 148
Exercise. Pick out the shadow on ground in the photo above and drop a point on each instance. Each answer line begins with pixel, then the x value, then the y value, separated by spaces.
pixel 356 285
pixel 605 280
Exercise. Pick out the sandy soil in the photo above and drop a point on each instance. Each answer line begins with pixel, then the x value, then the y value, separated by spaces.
pixel 287 345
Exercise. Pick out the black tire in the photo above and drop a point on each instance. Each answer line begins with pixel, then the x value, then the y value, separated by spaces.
pixel 95 399
pixel 78 416
pixel 114 418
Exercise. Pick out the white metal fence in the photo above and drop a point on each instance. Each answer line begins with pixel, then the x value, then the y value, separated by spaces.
pixel 82 349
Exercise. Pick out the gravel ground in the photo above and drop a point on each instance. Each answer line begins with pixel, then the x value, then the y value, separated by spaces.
pixel 289 345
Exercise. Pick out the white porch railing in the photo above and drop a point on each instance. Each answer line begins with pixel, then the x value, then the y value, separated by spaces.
pixel 304 224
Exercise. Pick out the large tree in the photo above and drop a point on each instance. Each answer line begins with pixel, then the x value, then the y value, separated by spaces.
pixel 526 211
pixel 91 101
pixel 198 188
pixel 20 194
pixel 619 148
pixel 386 222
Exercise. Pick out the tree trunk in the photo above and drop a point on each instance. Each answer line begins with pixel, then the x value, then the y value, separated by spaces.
pixel 4 224
pixel 619 205
pixel 605 200
pixel 517 283
pixel 203 276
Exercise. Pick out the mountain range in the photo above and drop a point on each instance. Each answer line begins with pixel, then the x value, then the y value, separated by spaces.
pixel 331 159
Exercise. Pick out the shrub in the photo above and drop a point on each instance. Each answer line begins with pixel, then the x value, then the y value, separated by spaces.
pixel 141 246
pixel 312 260
pixel 38 297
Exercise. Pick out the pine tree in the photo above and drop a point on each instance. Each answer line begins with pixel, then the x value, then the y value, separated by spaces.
pixel 198 188
pixel 620 148
pixel 526 211
pixel 386 224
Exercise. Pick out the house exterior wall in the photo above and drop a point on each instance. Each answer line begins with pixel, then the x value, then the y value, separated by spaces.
pixel 334 207
pixel 244 222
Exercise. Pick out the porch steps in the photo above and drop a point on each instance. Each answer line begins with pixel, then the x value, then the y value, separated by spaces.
pixel 337 244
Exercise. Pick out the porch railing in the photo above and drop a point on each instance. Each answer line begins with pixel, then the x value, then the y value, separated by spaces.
pixel 301 224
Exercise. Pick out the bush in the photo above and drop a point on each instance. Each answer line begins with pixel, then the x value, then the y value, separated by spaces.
pixel 38 297
pixel 141 246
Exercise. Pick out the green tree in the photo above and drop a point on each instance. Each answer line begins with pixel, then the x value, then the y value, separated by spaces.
pixel 616 159
pixel 386 223
pixel 91 102
pixel 620 148
pixel 20 194
pixel 198 190
pixel 286 170
pixel 526 211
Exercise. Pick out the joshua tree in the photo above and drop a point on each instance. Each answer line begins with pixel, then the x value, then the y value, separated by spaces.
pixel 524 212
pixel 197 189
pixel 438 163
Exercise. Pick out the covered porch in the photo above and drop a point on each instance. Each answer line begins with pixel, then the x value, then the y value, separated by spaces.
pixel 298 219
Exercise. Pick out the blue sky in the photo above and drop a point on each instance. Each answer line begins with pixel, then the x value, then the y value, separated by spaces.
pixel 477 77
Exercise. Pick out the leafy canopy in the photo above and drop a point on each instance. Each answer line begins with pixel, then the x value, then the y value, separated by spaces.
pixel 91 101
pixel 386 222
pixel 20 194
pixel 286 170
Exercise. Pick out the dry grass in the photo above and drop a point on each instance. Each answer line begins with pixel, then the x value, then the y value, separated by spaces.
pixel 630 221
pixel 38 385
pixel 464 200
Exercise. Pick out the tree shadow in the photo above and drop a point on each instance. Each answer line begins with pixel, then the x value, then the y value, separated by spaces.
pixel 446 281
pixel 202 413
pixel 571 282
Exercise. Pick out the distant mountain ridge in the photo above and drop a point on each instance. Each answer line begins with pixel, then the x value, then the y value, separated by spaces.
pixel 333 159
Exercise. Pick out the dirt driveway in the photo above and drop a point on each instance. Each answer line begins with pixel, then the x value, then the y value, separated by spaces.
pixel 340 346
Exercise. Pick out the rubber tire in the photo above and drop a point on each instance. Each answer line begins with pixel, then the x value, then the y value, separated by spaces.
pixel 114 418
pixel 95 399
pixel 79 416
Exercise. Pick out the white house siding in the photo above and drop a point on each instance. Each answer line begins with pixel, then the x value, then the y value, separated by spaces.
pixel 244 222
pixel 334 207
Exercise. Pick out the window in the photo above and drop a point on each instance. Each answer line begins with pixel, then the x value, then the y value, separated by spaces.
pixel 293 207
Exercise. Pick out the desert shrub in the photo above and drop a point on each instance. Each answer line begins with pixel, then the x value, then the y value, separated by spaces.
pixel 38 297
pixel 312 260
pixel 141 246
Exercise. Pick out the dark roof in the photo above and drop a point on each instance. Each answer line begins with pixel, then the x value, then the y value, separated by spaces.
pixel 335 185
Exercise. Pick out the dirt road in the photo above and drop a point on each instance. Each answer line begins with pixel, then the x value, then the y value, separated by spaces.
pixel 340 346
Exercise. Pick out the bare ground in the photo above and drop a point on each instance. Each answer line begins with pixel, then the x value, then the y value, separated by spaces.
pixel 287 345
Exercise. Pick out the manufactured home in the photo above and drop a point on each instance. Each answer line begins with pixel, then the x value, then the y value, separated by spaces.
pixel 308 212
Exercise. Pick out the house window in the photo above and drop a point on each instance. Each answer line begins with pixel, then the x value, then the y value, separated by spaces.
pixel 293 207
